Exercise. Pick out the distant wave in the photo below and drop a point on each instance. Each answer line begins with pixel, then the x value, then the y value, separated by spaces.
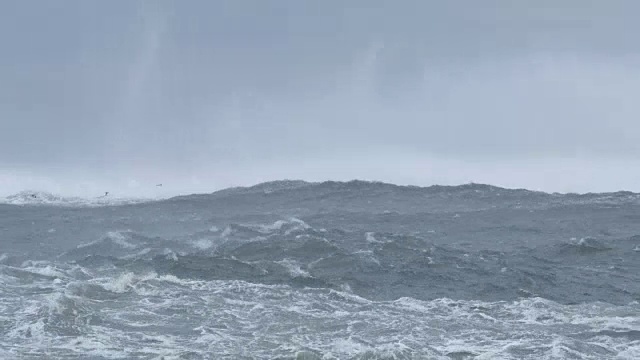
pixel 480 190
pixel 48 199
pixel 353 191
pixel 383 198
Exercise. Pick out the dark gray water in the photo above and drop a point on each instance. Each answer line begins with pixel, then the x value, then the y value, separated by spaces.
pixel 324 271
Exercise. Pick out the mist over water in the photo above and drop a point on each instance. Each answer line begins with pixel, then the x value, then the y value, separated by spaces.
pixel 204 96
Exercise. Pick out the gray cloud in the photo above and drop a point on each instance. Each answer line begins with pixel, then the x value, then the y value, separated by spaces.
pixel 205 94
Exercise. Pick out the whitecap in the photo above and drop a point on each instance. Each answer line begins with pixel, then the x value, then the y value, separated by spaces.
pixel 294 268
pixel 125 281
pixel 118 238
pixel 30 198
pixel 202 244
pixel 369 237
pixel 226 232
pixel 367 255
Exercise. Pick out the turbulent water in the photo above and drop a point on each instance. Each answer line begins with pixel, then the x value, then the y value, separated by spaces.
pixel 295 270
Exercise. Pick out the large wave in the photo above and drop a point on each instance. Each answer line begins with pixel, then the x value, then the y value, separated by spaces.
pixel 331 270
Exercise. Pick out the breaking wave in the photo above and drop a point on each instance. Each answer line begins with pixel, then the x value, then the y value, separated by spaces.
pixel 47 199
pixel 216 277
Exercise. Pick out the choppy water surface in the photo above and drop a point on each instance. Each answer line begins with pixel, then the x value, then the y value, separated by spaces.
pixel 294 270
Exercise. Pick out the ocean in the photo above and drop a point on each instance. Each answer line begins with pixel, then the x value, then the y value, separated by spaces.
pixel 331 270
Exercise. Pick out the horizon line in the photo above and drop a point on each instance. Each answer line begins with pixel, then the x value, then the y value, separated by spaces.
pixel 311 183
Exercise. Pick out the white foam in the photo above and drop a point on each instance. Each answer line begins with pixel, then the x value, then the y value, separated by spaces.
pixel 559 350
pixel 101 343
pixel 631 352
pixel 170 254
pixel 220 318
pixel 48 271
pixel 27 197
pixel 297 225
pixel 175 280
pixel 120 284
pixel 294 268
pixel 272 227
pixel 80 246
pixel 168 317
pixel 369 237
pixel 348 347
pixel 31 332
pixel 118 238
pixel 202 244
pixel 226 232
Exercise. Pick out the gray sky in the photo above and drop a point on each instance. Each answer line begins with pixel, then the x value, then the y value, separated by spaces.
pixel 198 95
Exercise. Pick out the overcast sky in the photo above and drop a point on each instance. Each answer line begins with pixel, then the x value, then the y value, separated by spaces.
pixel 198 95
